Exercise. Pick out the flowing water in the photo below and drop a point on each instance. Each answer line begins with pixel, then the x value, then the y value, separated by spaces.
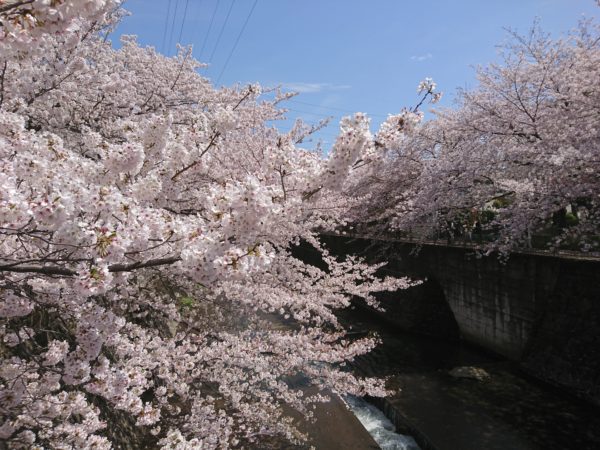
pixel 507 411
pixel 379 426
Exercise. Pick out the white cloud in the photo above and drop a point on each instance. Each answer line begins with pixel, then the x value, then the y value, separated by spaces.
pixel 304 88
pixel 420 58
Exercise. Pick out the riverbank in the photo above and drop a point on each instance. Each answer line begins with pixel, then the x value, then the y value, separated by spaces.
pixel 335 427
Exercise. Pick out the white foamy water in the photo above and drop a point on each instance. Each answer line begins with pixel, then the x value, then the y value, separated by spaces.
pixel 379 426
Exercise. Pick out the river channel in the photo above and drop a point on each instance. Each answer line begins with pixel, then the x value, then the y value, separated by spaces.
pixel 507 410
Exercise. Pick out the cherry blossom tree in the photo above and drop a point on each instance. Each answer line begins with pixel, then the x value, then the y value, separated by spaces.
pixel 149 291
pixel 520 151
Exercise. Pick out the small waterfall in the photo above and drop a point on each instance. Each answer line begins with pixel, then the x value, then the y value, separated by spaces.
pixel 379 426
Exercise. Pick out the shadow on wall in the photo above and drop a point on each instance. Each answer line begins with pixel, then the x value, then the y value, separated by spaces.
pixel 422 309
pixel 541 311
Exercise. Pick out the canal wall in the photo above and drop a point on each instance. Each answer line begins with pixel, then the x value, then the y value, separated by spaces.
pixel 540 310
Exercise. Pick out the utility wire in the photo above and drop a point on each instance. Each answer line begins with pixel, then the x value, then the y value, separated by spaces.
pixel 212 20
pixel 221 32
pixel 237 41
pixel 311 113
pixel 331 107
pixel 196 20
pixel 327 116
pixel 183 20
pixel 173 23
pixel 162 48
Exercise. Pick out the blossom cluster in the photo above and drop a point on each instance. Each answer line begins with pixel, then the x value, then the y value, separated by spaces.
pixel 518 157
pixel 150 296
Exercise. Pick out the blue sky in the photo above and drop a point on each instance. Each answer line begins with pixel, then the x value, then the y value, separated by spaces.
pixel 345 55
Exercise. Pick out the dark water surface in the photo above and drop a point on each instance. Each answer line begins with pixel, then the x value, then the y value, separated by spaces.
pixel 507 411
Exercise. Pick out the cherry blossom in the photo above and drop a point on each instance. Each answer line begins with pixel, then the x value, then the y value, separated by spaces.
pixel 147 231
pixel 518 153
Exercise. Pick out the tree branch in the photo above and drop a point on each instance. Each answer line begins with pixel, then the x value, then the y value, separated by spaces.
pixel 197 161
pixel 142 264
pixel 2 83
pixel 46 270
pixel 55 270
pixel 14 5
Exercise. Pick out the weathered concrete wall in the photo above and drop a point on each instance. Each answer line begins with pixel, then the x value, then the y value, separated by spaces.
pixel 495 305
pixel 542 311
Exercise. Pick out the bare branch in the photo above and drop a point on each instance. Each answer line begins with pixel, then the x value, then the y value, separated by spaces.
pixel 10 6
pixel 55 270
pixel 142 264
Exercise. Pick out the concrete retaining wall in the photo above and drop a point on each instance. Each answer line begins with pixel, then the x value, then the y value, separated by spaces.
pixel 542 311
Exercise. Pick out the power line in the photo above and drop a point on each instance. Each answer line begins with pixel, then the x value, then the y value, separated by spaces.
pixel 331 116
pixel 173 23
pixel 196 20
pixel 166 27
pixel 327 116
pixel 183 20
pixel 221 32
pixel 212 20
pixel 237 41
pixel 333 108
pixel 311 113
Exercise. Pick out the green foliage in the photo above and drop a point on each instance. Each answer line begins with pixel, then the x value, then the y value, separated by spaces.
pixel 187 302
pixel 501 202
pixel 486 216
pixel 571 219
